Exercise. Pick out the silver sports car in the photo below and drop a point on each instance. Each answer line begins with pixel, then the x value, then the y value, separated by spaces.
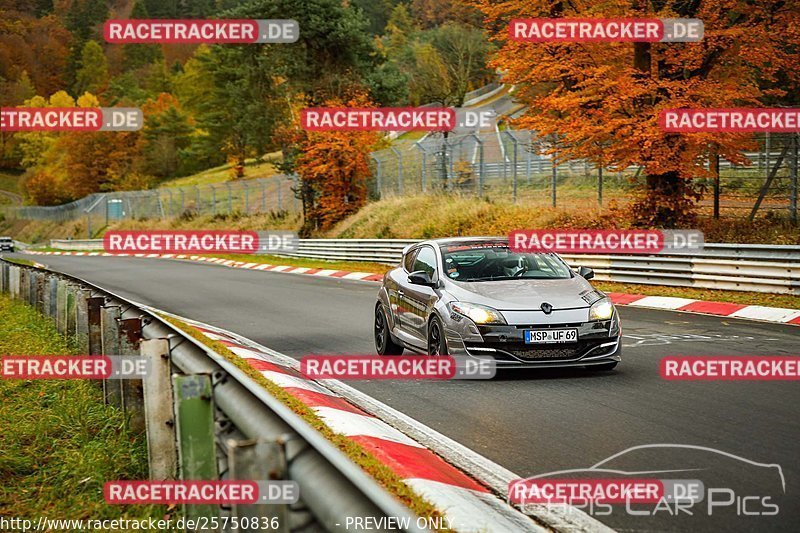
pixel 476 297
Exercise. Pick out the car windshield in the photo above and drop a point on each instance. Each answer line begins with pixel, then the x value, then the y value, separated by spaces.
pixel 492 262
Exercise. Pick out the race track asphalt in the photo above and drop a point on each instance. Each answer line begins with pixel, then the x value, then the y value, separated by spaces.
pixel 531 422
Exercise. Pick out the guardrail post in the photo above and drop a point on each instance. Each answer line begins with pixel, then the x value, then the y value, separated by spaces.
pixel 70 315
pixel 109 336
pixel 61 306
pixel 159 416
pixel 194 418
pixel 24 285
pixel 130 336
pixel 94 305
pixel 41 286
pixel 82 320
pixel 4 277
pixel 259 460
pixel 51 293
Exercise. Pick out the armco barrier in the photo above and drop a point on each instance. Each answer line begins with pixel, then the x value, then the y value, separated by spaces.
pixel 743 267
pixel 248 430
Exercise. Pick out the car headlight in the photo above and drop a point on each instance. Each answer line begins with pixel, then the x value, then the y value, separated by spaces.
pixel 480 314
pixel 601 310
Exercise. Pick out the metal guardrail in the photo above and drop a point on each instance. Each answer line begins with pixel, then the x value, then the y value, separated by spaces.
pixel 742 267
pixel 242 416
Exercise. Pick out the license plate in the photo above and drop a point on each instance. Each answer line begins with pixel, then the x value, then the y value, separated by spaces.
pixel 551 336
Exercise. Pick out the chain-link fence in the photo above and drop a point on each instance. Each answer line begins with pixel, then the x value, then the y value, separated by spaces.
pixel 265 195
pixel 516 165
pixel 511 164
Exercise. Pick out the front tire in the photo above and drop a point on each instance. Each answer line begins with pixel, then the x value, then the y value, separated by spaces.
pixel 384 344
pixel 437 345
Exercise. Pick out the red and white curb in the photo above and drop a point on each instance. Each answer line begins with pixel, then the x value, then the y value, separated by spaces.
pixel 468 504
pixel 752 312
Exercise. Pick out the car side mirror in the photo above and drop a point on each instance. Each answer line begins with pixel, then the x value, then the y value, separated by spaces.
pixel 586 272
pixel 420 277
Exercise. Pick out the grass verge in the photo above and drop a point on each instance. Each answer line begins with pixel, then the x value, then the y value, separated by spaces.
pixel 380 472
pixel 59 441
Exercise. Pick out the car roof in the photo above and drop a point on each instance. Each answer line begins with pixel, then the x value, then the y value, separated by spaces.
pixel 450 241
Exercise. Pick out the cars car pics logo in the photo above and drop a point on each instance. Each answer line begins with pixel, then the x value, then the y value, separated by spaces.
pixel 547 308
pixel 642 490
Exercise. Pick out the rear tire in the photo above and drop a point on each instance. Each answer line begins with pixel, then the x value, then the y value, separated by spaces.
pixel 604 367
pixel 437 345
pixel 384 344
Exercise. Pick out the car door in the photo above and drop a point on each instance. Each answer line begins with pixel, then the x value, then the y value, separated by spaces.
pixel 418 300
pixel 398 287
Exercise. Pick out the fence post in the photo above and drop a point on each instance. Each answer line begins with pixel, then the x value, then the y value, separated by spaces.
pixel 555 172
pixel 169 192
pixel 198 200
pixel 399 170
pixel 264 196
pixel 793 199
pixel 183 200
pixel 378 174
pixel 600 184
pixel 160 419
pixel 214 198
pixel 246 198
pixel 424 164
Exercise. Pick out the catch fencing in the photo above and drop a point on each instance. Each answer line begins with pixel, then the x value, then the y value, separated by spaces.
pixel 203 417
pixel 512 164
pixel 273 195
pixel 521 167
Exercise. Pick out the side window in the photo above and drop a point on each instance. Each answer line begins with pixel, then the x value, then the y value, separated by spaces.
pixel 408 260
pixel 426 260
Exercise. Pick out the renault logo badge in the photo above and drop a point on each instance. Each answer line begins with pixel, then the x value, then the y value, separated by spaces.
pixel 547 308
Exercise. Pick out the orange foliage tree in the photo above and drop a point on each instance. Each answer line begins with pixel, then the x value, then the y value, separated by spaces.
pixel 602 100
pixel 334 168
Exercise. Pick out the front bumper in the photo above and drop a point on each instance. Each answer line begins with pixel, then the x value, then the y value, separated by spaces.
pixel 598 343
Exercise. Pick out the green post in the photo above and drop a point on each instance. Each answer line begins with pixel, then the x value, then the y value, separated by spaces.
pixel 194 417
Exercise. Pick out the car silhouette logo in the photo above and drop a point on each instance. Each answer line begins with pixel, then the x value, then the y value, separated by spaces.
pixel 547 308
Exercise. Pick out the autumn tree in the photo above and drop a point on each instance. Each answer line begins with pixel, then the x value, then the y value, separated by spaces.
pixel 335 165
pixel 92 75
pixel 167 133
pixel 602 100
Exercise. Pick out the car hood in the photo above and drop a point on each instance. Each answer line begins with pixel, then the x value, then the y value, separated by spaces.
pixel 522 294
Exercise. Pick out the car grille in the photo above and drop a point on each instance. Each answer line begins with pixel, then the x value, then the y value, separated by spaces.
pixel 510 351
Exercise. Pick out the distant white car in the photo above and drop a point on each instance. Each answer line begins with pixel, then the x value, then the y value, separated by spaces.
pixel 6 244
